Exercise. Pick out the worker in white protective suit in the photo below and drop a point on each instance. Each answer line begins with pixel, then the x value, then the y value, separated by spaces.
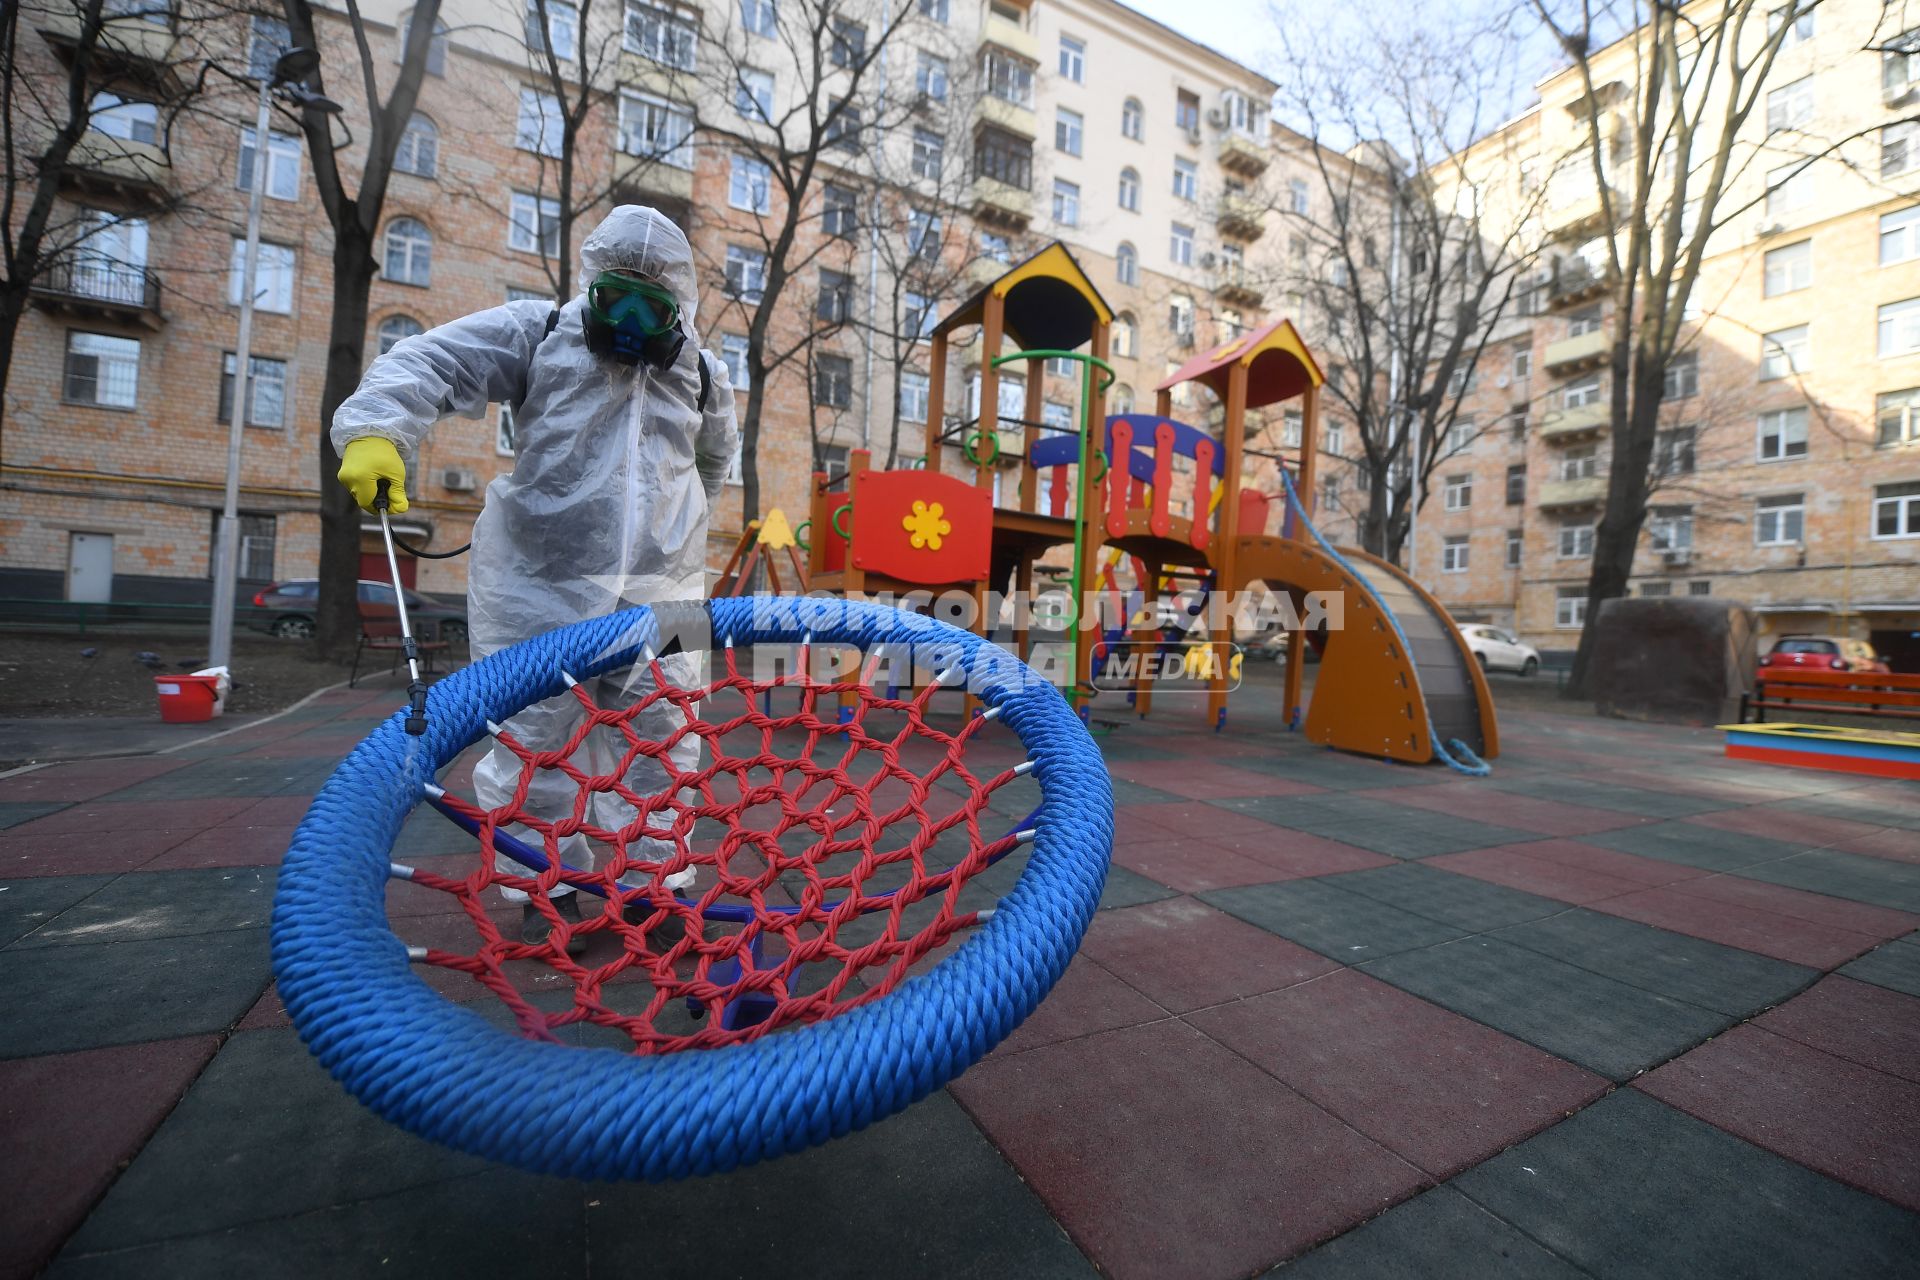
pixel 623 433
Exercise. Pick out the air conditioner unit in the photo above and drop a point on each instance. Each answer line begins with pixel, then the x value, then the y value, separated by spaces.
pixel 1193 134
pixel 1765 229
pixel 1679 559
pixel 1502 381
pixel 1207 260
pixel 459 479
pixel 1217 118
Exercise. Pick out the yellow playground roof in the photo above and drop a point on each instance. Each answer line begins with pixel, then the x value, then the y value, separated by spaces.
pixel 1279 366
pixel 1050 304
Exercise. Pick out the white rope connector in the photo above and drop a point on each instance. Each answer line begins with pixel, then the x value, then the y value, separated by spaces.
pixel 571 682
pixel 435 791
pixel 991 713
pixel 399 871
pixel 416 955
pixel 985 915
pixel 494 729
pixel 1023 768
pixel 1027 836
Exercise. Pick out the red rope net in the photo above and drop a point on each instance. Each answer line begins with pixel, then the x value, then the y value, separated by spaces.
pixel 831 857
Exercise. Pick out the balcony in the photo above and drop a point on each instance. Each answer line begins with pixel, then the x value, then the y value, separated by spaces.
pixel 1574 282
pixel 1001 203
pixel 1589 348
pixel 130 48
pixel 1562 425
pixel 1243 155
pixel 101 289
pixel 103 165
pixel 1238 287
pixel 1579 213
pixel 1009 116
pixel 1241 216
pixel 1583 491
pixel 655 184
pixel 1011 37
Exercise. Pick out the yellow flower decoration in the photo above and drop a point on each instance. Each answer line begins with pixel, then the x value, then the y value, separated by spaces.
pixel 927 525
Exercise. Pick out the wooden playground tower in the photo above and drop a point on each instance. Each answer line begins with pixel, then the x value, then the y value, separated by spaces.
pixel 1395 678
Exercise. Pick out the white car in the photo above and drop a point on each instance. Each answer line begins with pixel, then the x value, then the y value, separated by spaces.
pixel 1499 651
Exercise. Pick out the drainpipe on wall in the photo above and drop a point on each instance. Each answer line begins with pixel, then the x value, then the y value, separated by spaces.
pixel 873 253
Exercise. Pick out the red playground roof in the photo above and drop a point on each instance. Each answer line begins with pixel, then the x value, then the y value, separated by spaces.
pixel 1279 366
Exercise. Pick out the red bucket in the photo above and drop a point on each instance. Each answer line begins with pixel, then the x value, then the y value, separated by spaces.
pixel 188 699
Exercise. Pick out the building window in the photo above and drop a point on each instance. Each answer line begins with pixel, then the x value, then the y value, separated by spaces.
pixel 913 396
pixel 930 77
pixel 1900 66
pixel 1898 413
pixel 753 94
pixel 762 17
pixel 832 381
pixel 1186 179
pixel 1900 328
pixel 1333 438
pixel 124 118
pixel 1700 588
pixel 1673 452
pixel 750 184
pixel 1517 484
pixel 268 39
pixel 533 226
pixel 1785 352
pixel 938 10
pixel 1783 435
pixel 1896 511
pixel 1581 393
pixel 929 154
pixel 1453 555
pixel 558 33
pixel 272 277
pixel 1584 321
pixel 1517 424
pixel 407 252
pixel 1003 157
pixel 1300 202
pixel 1130 190
pixel 1126 265
pixel 840 211
pixel 1790 106
pixel 835 301
pixel 733 350
pixel 657 129
pixel 102 370
pixel 1330 492
pixel 1522 363
pixel 1900 236
pixel 661 35
pixel 418 150
pixel 1180 316
pixel 1515 542
pixel 1898 150
pixel 1293 425
pixel 1186 112
pixel 1570 608
pixel 435 63
pixel 849 47
pixel 1787 189
pixel 1181 247
pixel 1123 336
pixel 1008 78
pixel 746 273
pixel 923 233
pixel 1581 462
pixel 1780 521
pixel 1073 59
pixel 283 164
pixel 1671 529
pixel 1459 493
pixel 394 328
pixel 1788 269
pixel 1801 33
pixel 1656 589
pixel 1576 541
pixel 1062 367
pixel 267 391
pixel 1132 119
pixel 1066 202
pixel 1069 131
pixel 539 128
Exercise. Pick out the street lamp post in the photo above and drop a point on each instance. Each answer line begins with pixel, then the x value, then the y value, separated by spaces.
pixel 292 66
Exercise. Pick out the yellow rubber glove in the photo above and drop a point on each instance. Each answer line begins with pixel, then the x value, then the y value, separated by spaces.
pixel 369 460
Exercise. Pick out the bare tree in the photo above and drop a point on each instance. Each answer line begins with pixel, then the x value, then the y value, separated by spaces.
pixel 355 215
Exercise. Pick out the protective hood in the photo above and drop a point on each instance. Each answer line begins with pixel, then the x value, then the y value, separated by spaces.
pixel 636 238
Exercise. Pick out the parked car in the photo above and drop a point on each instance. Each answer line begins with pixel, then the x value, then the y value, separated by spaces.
pixel 1499 651
pixel 286 609
pixel 1830 653
pixel 1273 647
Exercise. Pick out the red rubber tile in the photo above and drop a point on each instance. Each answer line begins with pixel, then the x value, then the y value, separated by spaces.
pixel 1207 780
pixel 1513 866
pixel 1693 783
pixel 1817 830
pixel 1441 1090
pixel 1182 954
pixel 227 847
pixel 1186 820
pixel 1164 1154
pixel 1848 1121
pixel 284 811
pixel 1735 925
pixel 60 853
pixel 1611 862
pixel 1194 866
pixel 1087 1000
pixel 1294 854
pixel 67 1123
pixel 267 1012
pixel 85 779
pixel 1857 1021
pixel 1843 913
pixel 1528 813
pixel 197 813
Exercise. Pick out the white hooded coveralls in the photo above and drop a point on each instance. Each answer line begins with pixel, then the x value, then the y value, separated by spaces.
pixel 614 473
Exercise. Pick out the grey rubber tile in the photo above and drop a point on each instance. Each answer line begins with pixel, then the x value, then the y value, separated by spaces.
pixel 263 1133
pixel 1602 1024
pixel 1603 795
pixel 496 1223
pixel 1369 823
pixel 1437 1233
pixel 1139 793
pixel 1343 926
pixel 1724 979
pixel 1631 1188
pixel 56 999
pixel 1693 845
pixel 237 776
pixel 1336 772
pixel 1130 889
pixel 15 812
pixel 921 1193
pixel 1879 881
pixel 1474 906
pixel 145 905
pixel 1896 965
pixel 30 902
pixel 1858 808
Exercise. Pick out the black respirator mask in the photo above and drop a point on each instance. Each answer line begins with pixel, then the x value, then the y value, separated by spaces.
pixel 630 321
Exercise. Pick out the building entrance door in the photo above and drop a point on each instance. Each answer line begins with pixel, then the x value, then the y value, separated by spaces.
pixel 90 566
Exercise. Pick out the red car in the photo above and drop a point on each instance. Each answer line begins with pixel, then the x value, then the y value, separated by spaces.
pixel 1827 653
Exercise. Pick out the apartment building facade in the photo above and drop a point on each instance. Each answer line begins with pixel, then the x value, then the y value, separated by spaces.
pixel 1788 465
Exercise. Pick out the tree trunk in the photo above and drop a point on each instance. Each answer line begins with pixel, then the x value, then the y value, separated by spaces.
pixel 13 302
pixel 750 452
pixel 337 617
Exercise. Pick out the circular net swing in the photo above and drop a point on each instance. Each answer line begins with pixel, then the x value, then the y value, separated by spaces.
pixel 881 892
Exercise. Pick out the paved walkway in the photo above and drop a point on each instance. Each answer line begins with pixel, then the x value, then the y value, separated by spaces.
pixel 1625 1008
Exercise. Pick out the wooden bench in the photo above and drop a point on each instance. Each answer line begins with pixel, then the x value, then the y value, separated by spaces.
pixel 383 636
pixel 1854 693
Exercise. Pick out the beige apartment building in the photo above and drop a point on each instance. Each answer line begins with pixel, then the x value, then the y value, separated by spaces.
pixel 1790 458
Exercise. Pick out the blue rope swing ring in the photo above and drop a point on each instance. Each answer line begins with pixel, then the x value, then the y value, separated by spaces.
pixel 444 1072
